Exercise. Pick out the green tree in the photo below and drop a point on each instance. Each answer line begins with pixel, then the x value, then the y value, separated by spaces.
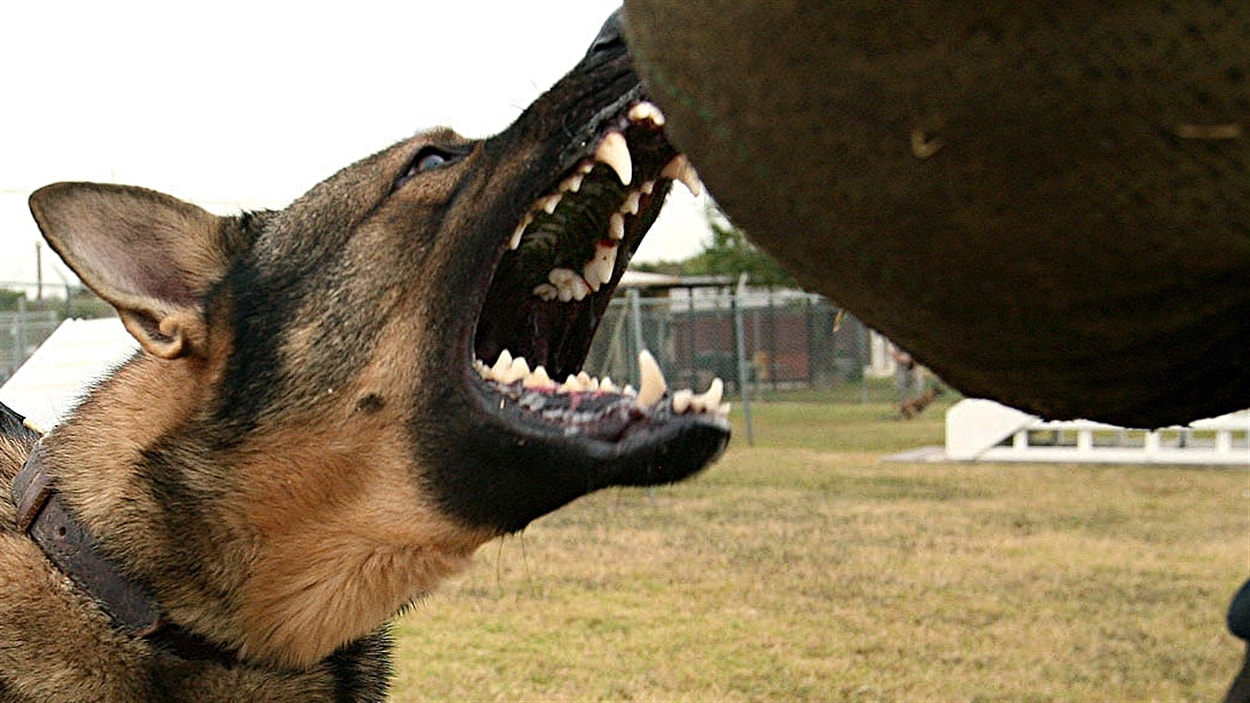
pixel 9 298
pixel 730 254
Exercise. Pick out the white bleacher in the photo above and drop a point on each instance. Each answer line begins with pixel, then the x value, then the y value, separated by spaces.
pixel 52 381
pixel 982 430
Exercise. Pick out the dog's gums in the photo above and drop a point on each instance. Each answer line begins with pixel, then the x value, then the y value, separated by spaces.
pixel 562 263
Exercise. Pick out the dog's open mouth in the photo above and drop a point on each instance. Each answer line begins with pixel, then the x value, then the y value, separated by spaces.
pixel 561 266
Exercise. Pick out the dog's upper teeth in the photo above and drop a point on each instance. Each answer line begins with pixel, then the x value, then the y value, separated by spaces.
pixel 614 152
pixel 549 203
pixel 647 111
pixel 616 226
pixel 546 292
pixel 515 242
pixel 600 267
pixel 630 206
pixel 568 283
pixel 647 187
pixel 679 169
pixel 573 183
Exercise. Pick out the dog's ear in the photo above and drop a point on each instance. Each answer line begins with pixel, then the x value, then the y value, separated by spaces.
pixel 150 255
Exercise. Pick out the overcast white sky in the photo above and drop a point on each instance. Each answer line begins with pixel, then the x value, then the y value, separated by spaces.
pixel 245 103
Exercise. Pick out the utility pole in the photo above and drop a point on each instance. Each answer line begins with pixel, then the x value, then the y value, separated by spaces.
pixel 38 271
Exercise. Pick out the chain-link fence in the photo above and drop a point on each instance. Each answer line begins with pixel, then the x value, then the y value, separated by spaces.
pixel 778 344
pixel 21 332
pixel 775 344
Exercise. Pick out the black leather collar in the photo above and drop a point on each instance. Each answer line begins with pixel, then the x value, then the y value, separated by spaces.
pixel 43 514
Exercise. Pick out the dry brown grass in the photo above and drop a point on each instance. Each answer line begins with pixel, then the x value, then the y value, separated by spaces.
pixel 807 569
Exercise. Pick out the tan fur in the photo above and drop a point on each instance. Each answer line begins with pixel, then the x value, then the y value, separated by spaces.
pixel 345 544
pixel 300 448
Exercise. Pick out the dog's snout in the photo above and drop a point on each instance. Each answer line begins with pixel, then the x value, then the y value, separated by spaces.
pixel 611 36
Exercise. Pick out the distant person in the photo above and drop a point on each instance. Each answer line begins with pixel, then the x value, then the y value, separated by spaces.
pixel 908 377
pixel 909 381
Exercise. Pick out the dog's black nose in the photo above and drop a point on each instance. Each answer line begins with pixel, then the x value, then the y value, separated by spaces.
pixel 611 35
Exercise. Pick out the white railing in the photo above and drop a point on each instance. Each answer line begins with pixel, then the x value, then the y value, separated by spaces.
pixel 982 430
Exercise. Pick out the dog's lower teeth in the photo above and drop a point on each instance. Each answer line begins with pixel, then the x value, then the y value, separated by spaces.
pixel 682 400
pixel 514 373
pixel 538 379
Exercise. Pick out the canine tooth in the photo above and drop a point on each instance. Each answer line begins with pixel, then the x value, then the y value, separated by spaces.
pixel 502 364
pixel 515 242
pixel 546 292
pixel 630 206
pixel 572 184
pixel 614 152
pixel 682 400
pixel 711 399
pixel 647 187
pixel 652 380
pixel 647 111
pixel 679 169
pixel 616 226
pixel 539 379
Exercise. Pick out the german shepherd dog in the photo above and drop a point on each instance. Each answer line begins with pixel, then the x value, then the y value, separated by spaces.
pixel 334 405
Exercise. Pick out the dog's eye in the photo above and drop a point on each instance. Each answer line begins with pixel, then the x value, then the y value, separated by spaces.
pixel 427 159
pixel 433 159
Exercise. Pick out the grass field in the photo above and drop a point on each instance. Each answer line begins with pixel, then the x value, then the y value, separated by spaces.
pixel 805 568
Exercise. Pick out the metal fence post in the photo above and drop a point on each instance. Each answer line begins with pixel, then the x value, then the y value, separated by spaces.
pixel 635 312
pixel 740 341
pixel 19 333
